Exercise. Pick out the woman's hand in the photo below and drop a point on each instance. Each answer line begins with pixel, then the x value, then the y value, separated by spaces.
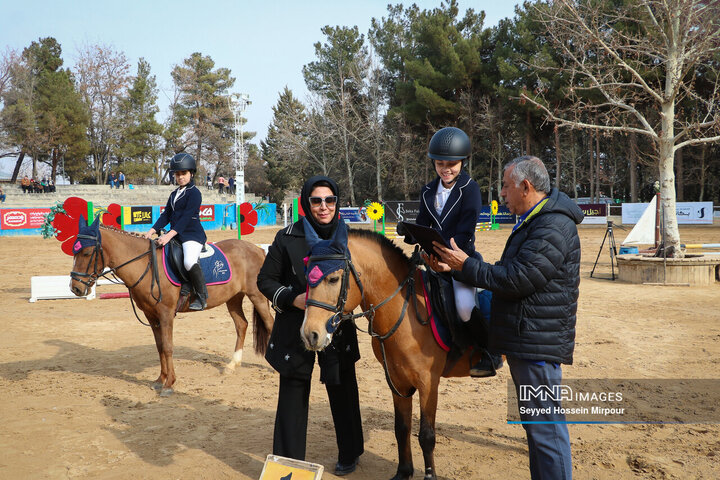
pixel 149 234
pixel 163 239
pixel 299 301
pixel 435 263
pixel 452 257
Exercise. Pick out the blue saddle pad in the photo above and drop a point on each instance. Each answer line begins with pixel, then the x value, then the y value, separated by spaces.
pixel 216 267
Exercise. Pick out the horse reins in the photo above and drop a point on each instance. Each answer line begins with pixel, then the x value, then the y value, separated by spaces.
pixel 338 310
pixel 98 255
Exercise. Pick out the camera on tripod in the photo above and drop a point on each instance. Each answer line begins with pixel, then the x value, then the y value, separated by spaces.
pixel 613 250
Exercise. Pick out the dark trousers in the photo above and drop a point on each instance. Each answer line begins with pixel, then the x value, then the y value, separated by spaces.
pixel 291 417
pixel 548 441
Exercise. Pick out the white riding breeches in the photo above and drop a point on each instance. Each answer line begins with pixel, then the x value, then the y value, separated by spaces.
pixel 191 253
pixel 464 299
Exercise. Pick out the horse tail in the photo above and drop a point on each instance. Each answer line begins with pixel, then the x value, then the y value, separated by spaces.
pixel 262 334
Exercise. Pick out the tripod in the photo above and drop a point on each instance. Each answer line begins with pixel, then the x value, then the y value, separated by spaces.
pixel 613 249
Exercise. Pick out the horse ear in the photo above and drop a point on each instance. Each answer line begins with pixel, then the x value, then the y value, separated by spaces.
pixel 340 237
pixel 311 236
pixel 96 224
pixel 82 223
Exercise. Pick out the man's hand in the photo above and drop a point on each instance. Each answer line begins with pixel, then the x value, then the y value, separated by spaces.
pixel 452 257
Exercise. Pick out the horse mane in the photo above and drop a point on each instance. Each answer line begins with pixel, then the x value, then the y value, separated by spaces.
pixel 123 232
pixel 381 240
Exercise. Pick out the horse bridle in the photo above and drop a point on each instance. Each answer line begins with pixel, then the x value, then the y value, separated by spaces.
pixel 338 309
pixel 98 256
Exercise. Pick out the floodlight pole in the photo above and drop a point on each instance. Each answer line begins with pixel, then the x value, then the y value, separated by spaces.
pixel 238 103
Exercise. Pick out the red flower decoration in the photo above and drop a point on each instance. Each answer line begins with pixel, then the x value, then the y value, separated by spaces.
pixel 67 223
pixel 111 218
pixel 248 219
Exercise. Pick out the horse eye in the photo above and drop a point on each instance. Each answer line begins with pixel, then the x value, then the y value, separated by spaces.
pixel 333 280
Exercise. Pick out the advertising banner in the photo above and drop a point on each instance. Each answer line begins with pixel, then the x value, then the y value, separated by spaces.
pixel 22 218
pixel 688 213
pixel 595 213
pixel 402 211
pixel 503 215
pixel 207 213
pixel 354 215
pixel 137 216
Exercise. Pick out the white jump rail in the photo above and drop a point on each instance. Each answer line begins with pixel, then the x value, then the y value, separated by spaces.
pixel 56 287
pixel 53 287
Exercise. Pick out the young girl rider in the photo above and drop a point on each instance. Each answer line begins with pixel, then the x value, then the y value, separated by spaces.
pixel 182 212
pixel 451 205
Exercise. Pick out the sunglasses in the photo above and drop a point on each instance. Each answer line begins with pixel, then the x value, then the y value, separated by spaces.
pixel 330 200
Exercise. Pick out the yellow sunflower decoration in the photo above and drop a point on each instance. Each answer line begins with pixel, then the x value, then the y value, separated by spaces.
pixel 494 207
pixel 375 211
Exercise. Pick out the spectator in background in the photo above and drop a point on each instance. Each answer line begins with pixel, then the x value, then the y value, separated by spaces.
pixel 208 180
pixel 51 186
pixel 2 195
pixel 111 180
pixel 26 185
pixel 221 184
pixel 121 180
pixel 231 185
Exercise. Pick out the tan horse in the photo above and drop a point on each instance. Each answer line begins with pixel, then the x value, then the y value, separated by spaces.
pixel 384 282
pixel 135 261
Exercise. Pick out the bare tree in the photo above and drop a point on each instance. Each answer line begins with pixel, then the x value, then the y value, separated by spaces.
pixel 630 67
pixel 103 77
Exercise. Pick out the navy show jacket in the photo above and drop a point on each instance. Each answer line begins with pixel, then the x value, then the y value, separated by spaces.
pixel 182 212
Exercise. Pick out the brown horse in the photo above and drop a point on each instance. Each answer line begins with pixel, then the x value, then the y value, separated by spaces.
pixel 134 260
pixel 383 285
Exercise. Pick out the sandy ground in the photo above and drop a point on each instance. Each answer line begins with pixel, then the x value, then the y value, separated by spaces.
pixel 76 402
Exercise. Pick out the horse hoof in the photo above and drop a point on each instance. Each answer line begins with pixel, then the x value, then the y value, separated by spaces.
pixel 228 370
pixel 157 386
pixel 166 392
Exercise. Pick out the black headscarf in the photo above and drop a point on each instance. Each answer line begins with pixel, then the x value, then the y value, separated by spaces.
pixel 323 231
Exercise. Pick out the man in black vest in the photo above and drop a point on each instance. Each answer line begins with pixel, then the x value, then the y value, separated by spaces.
pixel 534 304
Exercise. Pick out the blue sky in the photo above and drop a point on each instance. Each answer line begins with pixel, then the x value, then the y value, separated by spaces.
pixel 264 43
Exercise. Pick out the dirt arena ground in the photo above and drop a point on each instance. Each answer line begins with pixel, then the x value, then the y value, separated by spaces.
pixel 76 402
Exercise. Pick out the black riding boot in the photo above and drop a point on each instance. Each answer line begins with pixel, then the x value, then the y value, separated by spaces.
pixel 198 282
pixel 489 363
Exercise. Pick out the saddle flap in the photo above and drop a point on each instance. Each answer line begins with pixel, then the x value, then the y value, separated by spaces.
pixel 174 254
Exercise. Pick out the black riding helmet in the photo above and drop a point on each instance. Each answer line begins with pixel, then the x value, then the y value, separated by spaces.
pixel 183 161
pixel 449 144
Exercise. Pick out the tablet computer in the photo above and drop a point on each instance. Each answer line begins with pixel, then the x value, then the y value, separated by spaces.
pixel 425 236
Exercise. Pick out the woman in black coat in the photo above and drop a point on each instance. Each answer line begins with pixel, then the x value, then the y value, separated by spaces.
pixel 282 280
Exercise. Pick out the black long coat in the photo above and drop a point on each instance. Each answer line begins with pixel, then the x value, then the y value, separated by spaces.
pixel 281 279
